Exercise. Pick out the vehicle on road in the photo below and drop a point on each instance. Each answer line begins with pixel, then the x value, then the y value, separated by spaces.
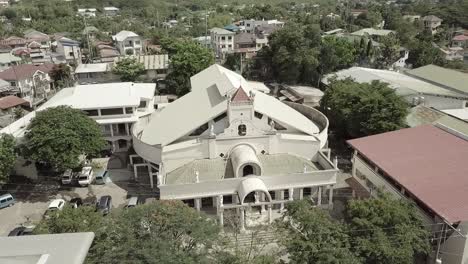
pixel 22 231
pixel 86 176
pixel 101 177
pixel 67 177
pixel 104 205
pixel 6 200
pixel 132 202
pixel 76 202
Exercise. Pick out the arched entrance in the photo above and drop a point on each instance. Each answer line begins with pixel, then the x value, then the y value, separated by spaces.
pixel 247 170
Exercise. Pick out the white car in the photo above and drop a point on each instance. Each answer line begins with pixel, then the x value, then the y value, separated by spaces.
pixel 54 206
pixel 67 177
pixel 86 176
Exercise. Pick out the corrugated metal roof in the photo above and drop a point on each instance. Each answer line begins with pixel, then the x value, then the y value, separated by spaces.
pixel 451 79
pixel 427 162
pixel 151 62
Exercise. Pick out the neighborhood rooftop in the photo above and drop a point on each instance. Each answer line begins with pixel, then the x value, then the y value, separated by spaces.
pixel 451 79
pixel 427 162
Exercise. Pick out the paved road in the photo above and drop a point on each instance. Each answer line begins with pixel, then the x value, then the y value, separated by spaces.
pixel 34 199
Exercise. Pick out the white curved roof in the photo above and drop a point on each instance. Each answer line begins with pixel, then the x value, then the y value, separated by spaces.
pixel 241 155
pixel 207 100
pixel 251 184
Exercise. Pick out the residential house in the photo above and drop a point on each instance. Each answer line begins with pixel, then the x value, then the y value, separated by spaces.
pixel 205 41
pixel 431 23
pixel 452 53
pixel 170 24
pixel 245 44
pixel 250 25
pixel 106 52
pixel 234 148
pixel 32 35
pixel 14 42
pixel 70 248
pixel 69 49
pixel 426 166
pixel 156 66
pixel 116 107
pixel 356 12
pixel 28 81
pixel 7 60
pixel 9 102
pixel 460 41
pixel 128 43
pixel 414 90
pixel 373 33
pixel 111 11
pixel 87 12
pixel 94 73
pixel 4 3
pixel 222 41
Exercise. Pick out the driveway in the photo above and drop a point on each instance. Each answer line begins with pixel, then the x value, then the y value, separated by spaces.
pixel 33 199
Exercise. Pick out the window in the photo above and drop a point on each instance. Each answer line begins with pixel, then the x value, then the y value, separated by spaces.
pixel 142 104
pixel 258 115
pixel 223 46
pixel 242 130
pixel 466 104
pixel 223 38
pixel 137 42
pixel 229 46
pixel 70 53
pixel 91 112
pixel 229 38
pixel 13 83
pixel 200 130
pixel 112 111
pixel 128 110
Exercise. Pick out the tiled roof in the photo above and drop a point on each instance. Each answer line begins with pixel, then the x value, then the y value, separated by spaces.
pixel 23 71
pixel 11 101
pixel 428 162
pixel 460 38
pixel 240 96
pixel 431 18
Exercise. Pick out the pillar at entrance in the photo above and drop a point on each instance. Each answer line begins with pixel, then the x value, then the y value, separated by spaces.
pixel 262 199
pixel 242 219
pixel 291 194
pixel 198 204
pixel 301 193
pixel 270 216
pixel 319 196
pixel 330 199
pixel 221 218
pixel 282 199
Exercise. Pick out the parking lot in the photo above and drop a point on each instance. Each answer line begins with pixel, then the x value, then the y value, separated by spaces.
pixel 33 199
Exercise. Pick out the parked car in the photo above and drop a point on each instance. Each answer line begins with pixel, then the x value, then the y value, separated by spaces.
pixel 67 177
pixel 22 231
pixel 104 205
pixel 90 201
pixel 6 200
pixel 101 177
pixel 86 176
pixel 132 202
pixel 76 202
pixel 54 206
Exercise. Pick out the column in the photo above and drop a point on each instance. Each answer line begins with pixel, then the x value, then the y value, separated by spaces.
pixel 235 200
pixel 291 194
pixel 127 128
pixel 319 196
pixel 281 198
pixel 301 193
pixel 150 174
pixel 262 199
pixel 112 130
pixel 198 204
pixel 353 173
pixel 270 217
pixel 242 219
pixel 220 206
pixel 215 202
pixel 135 172
pixel 330 199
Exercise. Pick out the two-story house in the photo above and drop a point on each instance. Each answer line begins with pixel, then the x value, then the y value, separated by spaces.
pixel 28 81
pixel 222 41
pixel 128 43
pixel 87 12
pixel 43 39
pixel 69 49
pixel 431 23
pixel 111 11
pixel 94 73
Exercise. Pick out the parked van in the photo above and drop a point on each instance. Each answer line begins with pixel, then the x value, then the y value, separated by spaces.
pixel 67 177
pixel 86 176
pixel 132 202
pixel 101 177
pixel 6 200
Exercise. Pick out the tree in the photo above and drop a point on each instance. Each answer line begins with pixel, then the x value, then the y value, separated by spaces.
pixel 128 69
pixel 7 156
pixel 311 236
pixel 362 109
pixel 71 220
pixel 389 51
pixel 335 54
pixel 60 135
pixel 178 233
pixel 187 59
pixel 61 75
pixel 233 62
pixel 386 230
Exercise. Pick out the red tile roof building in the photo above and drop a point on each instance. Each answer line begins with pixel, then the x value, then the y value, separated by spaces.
pixel 11 101
pixel 428 162
pixel 24 71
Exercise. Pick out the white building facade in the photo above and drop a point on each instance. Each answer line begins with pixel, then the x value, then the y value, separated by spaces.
pixel 233 147
pixel 128 43
pixel 222 41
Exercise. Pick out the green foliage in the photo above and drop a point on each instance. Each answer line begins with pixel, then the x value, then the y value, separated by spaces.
pixel 7 156
pixel 362 109
pixel 71 220
pixel 335 54
pixel 59 135
pixel 129 69
pixel 311 236
pixel 178 233
pixel 369 19
pixel 389 51
pixel 386 230
pixel 233 62
pixel 61 75
pixel 187 59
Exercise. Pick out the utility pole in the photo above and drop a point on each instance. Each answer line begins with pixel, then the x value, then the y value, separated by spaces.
pixel 90 53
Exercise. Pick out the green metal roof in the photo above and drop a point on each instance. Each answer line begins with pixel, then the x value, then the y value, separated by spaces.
pixel 448 78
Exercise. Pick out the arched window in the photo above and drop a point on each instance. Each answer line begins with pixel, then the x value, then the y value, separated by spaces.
pixel 247 170
pixel 242 130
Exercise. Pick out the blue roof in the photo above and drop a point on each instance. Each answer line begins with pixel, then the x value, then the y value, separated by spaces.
pixel 232 27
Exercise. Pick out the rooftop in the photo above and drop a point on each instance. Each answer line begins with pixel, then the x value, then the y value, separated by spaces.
pixel 122 35
pixel 151 62
pixel 372 32
pixel 92 67
pixel 8 58
pixel 448 78
pixel 11 101
pixel 24 71
pixel 221 31
pixel 431 18
pixel 70 248
pixel 219 168
pixel 404 156
pixel 403 84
